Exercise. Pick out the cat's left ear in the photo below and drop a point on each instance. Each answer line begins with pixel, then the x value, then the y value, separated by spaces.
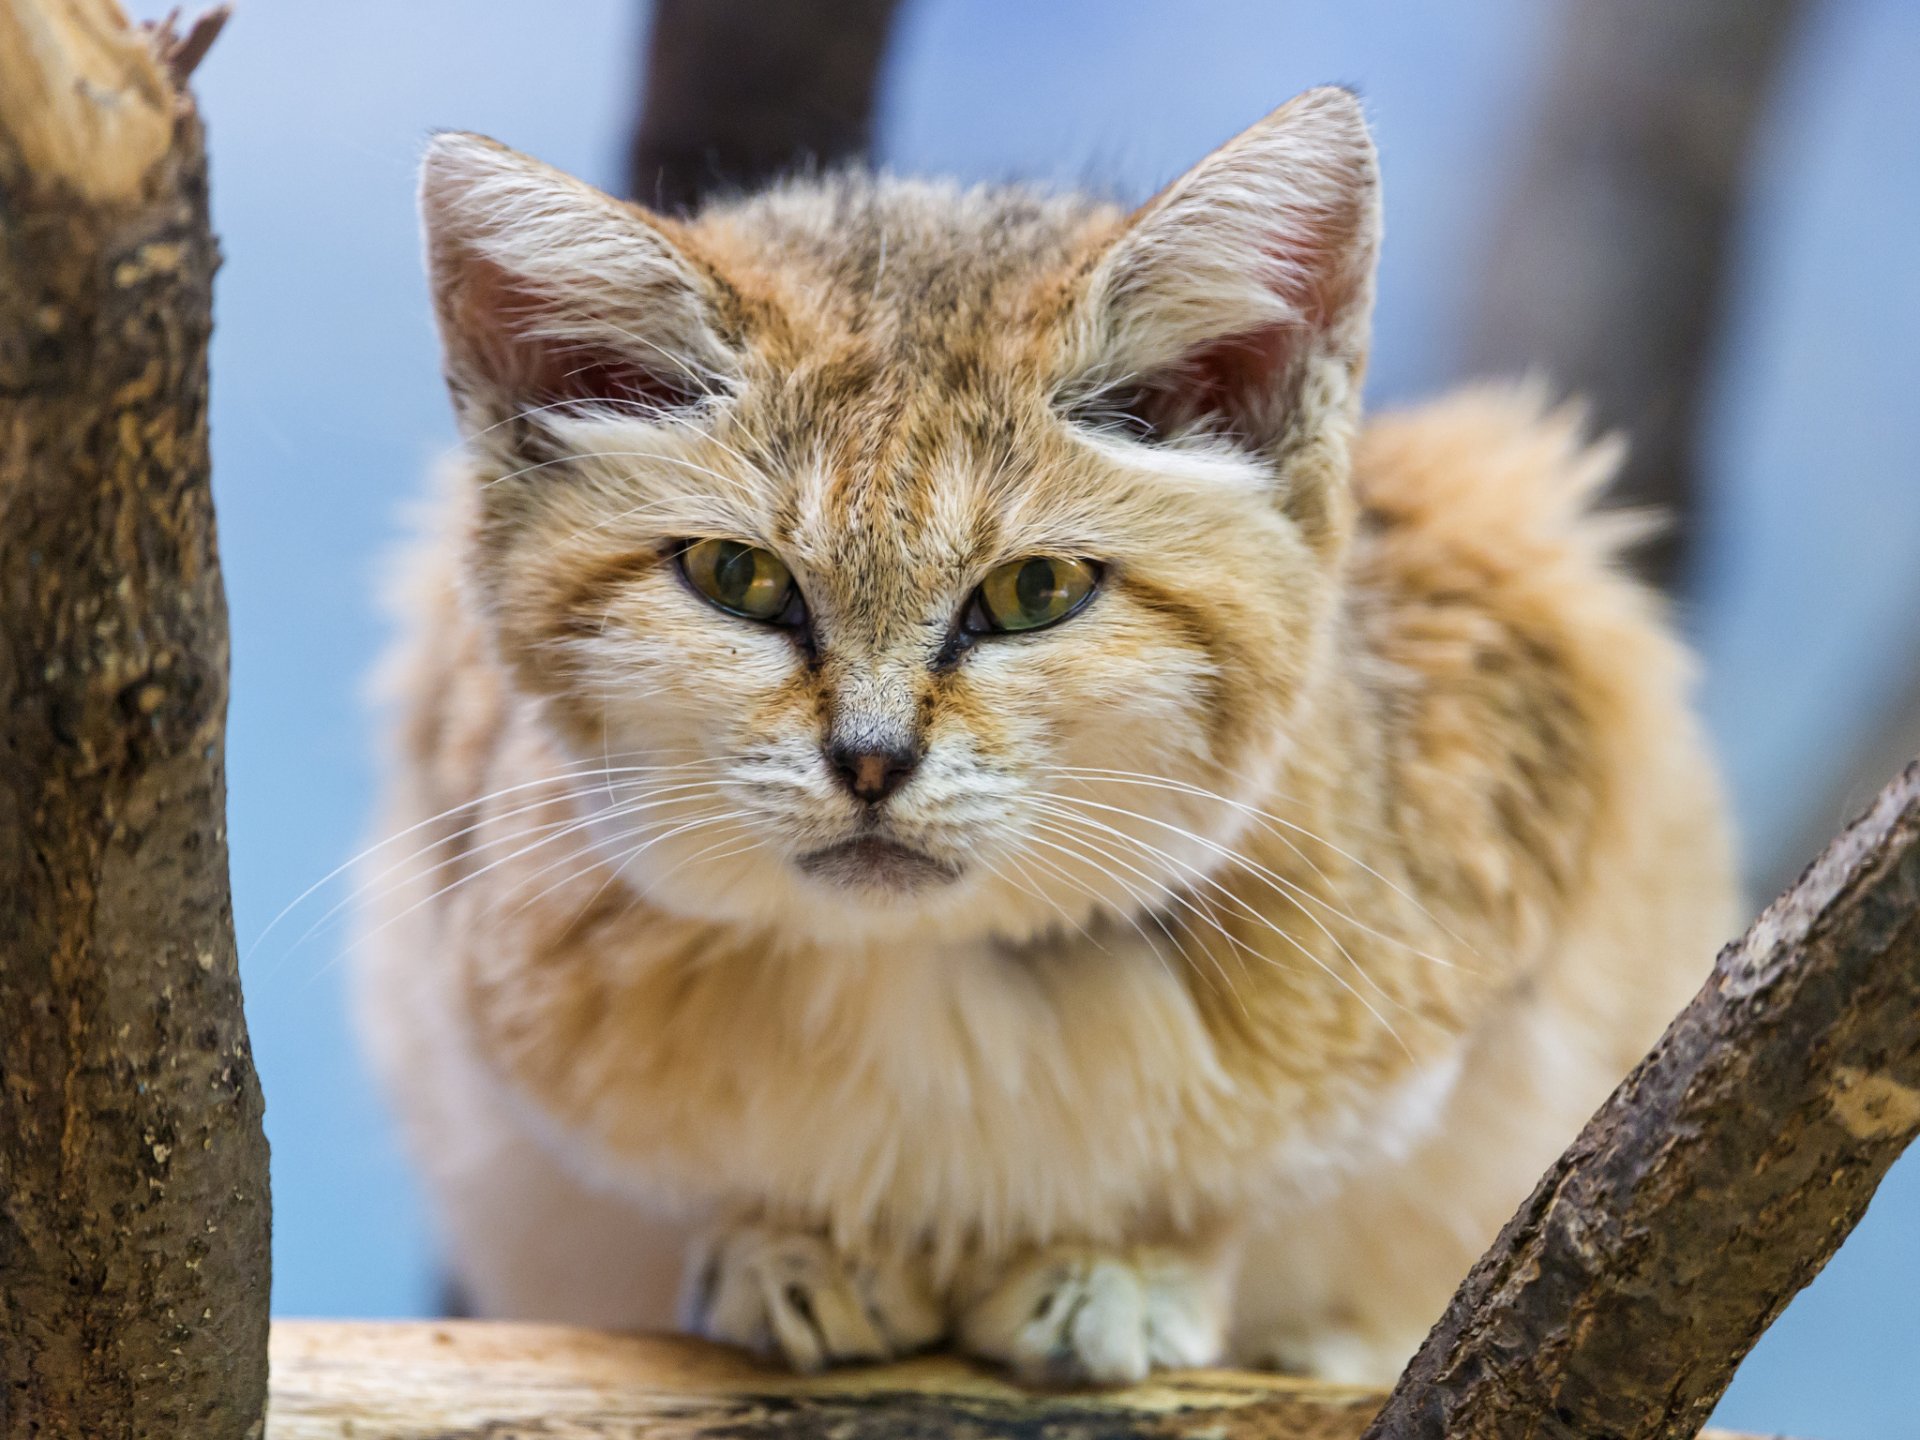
pixel 552 296
pixel 1238 300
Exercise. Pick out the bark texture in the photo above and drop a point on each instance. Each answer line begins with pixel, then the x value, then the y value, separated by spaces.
pixel 1609 266
pixel 1712 1185
pixel 133 1168
pixel 475 1381
pixel 740 92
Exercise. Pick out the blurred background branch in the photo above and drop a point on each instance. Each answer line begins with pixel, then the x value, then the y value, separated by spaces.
pixel 1607 268
pixel 739 92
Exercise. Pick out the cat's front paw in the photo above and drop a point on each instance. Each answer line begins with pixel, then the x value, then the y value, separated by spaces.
pixel 1340 1354
pixel 1069 1315
pixel 791 1294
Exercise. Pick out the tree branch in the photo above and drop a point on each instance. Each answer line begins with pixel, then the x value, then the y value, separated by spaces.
pixel 133 1169
pixel 1714 1183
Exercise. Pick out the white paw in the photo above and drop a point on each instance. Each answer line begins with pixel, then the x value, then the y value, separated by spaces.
pixel 1333 1353
pixel 791 1294
pixel 1068 1315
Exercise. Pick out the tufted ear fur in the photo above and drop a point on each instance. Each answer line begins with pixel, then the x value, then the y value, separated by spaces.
pixel 1236 303
pixel 552 296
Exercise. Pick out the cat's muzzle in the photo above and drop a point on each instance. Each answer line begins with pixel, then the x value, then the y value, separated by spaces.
pixel 872 862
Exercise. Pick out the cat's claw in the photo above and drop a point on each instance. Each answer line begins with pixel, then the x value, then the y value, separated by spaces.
pixel 790 1294
pixel 1070 1316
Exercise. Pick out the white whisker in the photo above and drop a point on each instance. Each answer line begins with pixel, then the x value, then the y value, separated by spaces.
pixel 1135 777
pixel 1304 950
pixel 564 774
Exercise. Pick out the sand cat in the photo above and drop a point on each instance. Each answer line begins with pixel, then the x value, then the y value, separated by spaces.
pixel 947 787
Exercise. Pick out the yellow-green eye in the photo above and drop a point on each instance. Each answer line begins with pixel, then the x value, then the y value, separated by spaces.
pixel 741 579
pixel 1036 592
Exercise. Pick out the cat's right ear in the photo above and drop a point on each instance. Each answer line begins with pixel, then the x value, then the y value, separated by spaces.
pixel 552 297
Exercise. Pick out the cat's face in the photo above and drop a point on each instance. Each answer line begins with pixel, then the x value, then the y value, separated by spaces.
pixel 904 559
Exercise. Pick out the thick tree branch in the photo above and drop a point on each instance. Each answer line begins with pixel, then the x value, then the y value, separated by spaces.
pixel 133 1169
pixel 1714 1183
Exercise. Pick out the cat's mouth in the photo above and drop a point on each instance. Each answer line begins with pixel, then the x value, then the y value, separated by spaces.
pixel 869 862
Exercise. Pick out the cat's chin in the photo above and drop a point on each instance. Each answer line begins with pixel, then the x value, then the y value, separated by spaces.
pixel 877 867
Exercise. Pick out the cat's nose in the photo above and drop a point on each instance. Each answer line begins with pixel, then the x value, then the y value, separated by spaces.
pixel 872 773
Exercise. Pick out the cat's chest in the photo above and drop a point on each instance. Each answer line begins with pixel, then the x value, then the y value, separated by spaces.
pixel 962 1082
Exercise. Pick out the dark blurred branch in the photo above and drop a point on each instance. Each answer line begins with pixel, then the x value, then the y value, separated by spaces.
pixel 1608 268
pixel 741 91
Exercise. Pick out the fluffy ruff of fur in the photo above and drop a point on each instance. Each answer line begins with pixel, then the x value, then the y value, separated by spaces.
pixel 1310 888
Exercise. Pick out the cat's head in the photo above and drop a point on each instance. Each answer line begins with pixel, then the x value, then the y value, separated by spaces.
pixel 911 557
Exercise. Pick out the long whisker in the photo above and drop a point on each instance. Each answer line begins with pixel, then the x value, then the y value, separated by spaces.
pixel 1302 949
pixel 1251 911
pixel 564 774
pixel 721 819
pixel 1146 907
pixel 1142 905
pixel 554 830
pixel 1045 899
pixel 1135 777
pixel 456 884
pixel 594 843
pixel 1299 894
pixel 679 824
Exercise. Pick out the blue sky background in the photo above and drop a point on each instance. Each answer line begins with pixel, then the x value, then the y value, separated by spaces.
pixel 328 412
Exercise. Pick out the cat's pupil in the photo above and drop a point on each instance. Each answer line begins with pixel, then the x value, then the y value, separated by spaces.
pixel 1035 588
pixel 734 571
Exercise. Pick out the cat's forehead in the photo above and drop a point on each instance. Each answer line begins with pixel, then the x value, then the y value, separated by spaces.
pixel 898 494
pixel 913 260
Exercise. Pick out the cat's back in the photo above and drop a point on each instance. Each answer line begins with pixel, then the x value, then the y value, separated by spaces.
pixel 1540 697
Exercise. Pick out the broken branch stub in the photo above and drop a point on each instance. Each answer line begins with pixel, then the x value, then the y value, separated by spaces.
pixel 133 1167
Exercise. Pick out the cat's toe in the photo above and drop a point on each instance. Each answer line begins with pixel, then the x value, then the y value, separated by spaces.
pixel 1069 1316
pixel 790 1294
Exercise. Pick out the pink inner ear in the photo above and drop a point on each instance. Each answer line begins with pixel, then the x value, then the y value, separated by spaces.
pixel 1236 384
pixel 500 323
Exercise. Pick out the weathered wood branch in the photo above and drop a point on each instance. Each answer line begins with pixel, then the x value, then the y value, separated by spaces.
pixel 133 1169
pixel 474 1381
pixel 740 92
pixel 1608 263
pixel 1713 1184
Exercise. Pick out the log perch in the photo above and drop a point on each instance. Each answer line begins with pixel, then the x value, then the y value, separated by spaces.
pixel 133 1168
pixel 468 1380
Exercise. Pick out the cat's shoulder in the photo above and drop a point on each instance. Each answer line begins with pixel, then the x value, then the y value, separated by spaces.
pixel 1495 477
pixel 1526 665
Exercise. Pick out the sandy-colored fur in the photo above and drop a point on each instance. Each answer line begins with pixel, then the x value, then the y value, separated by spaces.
pixel 1318 881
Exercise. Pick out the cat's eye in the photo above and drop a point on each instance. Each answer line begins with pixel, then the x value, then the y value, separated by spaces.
pixel 742 580
pixel 1032 594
